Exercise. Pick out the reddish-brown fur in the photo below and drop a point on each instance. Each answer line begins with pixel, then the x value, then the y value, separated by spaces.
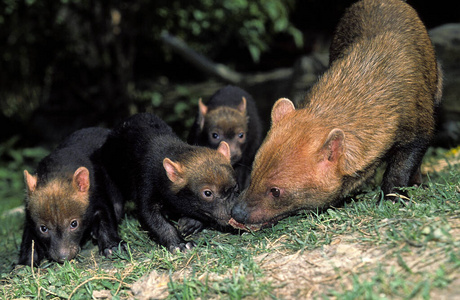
pixel 375 104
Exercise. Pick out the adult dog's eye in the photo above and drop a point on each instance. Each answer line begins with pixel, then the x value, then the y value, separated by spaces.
pixel 275 192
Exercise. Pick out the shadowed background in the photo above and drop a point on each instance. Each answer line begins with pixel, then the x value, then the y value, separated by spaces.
pixel 69 64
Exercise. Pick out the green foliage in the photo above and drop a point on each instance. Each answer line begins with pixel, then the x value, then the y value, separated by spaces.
pixel 179 114
pixel 12 164
pixel 83 54
pixel 252 24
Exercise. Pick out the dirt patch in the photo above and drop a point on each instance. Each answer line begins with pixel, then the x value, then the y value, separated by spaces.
pixel 152 286
pixel 317 272
pixel 334 268
pixel 452 159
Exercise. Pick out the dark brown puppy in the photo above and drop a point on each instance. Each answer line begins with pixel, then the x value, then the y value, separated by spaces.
pixel 230 116
pixel 375 104
pixel 69 198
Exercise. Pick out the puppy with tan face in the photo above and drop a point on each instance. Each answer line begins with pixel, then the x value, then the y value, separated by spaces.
pixel 168 179
pixel 230 116
pixel 70 198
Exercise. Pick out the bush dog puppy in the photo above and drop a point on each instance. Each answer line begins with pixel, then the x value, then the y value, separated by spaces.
pixel 167 177
pixel 231 116
pixel 374 104
pixel 69 197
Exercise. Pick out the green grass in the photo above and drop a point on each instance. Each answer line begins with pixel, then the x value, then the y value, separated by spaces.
pixel 12 164
pixel 367 249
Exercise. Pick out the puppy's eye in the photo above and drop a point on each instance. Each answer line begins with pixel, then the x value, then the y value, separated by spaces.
pixel 215 135
pixel 73 224
pixel 275 192
pixel 43 229
pixel 207 193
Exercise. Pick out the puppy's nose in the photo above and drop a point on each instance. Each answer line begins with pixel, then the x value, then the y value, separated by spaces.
pixel 239 213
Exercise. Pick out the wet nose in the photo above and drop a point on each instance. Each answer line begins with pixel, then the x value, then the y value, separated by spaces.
pixel 239 213
pixel 60 256
pixel 64 253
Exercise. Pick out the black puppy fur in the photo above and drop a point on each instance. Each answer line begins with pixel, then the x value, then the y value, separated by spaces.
pixel 167 177
pixel 69 198
pixel 231 116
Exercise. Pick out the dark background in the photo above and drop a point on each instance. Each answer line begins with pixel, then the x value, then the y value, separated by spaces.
pixel 69 64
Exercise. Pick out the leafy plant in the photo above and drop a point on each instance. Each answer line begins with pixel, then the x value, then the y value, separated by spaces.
pixel 252 24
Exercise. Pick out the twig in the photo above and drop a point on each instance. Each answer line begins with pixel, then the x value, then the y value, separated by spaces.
pixel 32 260
pixel 97 278
pixel 35 277
pixel 219 70
pixel 200 61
